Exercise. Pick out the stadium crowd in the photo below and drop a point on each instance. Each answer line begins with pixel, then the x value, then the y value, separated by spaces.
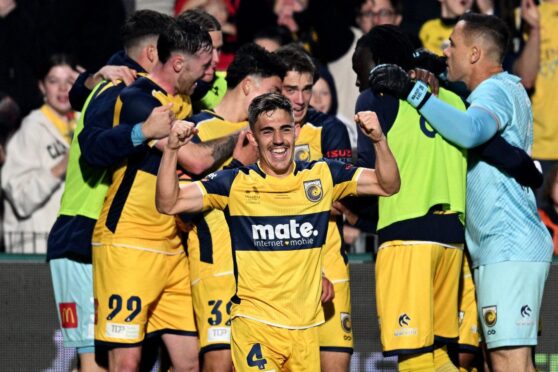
pixel 196 171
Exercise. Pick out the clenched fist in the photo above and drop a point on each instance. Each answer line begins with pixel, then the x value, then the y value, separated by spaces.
pixel 370 125
pixel 181 133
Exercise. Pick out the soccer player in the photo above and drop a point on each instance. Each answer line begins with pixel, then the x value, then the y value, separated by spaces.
pixel 279 211
pixel 69 244
pixel 510 247
pixel 211 88
pixel 141 280
pixel 323 136
pixel 420 231
pixel 399 219
pixel 253 72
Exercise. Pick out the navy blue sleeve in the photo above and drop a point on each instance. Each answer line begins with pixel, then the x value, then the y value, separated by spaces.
pixel 219 183
pixel 79 92
pixel 511 160
pixel 335 140
pixel 103 145
pixel 340 172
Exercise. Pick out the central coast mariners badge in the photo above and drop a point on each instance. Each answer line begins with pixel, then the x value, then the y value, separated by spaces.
pixel 302 153
pixel 313 190
pixel 346 322
pixel 489 314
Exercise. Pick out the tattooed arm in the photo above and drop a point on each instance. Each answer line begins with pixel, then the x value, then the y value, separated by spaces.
pixel 205 157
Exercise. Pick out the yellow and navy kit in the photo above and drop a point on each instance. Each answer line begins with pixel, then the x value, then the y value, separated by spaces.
pixel 209 247
pixel 280 226
pixel 324 136
pixel 210 252
pixel 130 205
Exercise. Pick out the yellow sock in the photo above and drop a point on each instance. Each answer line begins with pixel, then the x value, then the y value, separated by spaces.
pixel 442 362
pixel 420 362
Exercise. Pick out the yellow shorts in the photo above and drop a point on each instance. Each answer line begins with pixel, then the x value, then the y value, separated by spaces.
pixel 139 293
pixel 336 334
pixel 212 306
pixel 257 346
pixel 469 335
pixel 416 295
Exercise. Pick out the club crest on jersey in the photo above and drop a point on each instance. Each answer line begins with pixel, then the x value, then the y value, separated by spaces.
pixel 313 190
pixel 346 322
pixel 302 153
pixel 489 314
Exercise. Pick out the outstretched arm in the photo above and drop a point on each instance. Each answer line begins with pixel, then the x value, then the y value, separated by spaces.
pixel 170 198
pixel 466 129
pixel 384 179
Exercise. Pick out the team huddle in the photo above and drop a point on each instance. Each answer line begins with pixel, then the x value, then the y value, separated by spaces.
pixel 221 232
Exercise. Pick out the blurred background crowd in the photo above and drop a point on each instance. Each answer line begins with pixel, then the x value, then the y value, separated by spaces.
pixel 34 87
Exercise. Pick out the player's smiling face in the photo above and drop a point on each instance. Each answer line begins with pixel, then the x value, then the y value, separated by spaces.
pixel 297 87
pixel 275 135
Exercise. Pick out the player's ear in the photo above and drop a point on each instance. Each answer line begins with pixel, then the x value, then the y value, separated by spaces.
pixel 475 54
pixel 151 53
pixel 251 138
pixel 246 85
pixel 177 63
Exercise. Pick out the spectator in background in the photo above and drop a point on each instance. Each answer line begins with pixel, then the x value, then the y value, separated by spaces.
pixel 36 159
pixel 538 70
pixel 434 34
pixel 549 208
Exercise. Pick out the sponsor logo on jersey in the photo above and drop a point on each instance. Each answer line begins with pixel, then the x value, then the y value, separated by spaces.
pixel 280 233
pixel 461 317
pixel 219 334
pixel 252 195
pixel 284 234
pixel 404 329
pixel 525 311
pixel 302 153
pixel 526 319
pixel 339 154
pixel 68 314
pixel 346 322
pixel 313 190
pixel 489 314
pixel 122 331
pixel 404 320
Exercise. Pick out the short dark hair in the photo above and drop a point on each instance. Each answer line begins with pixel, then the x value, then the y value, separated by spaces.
pixel 204 19
pixel 295 58
pixel 491 27
pixel 143 23
pixel 183 36
pixel 268 102
pixel 252 59
pixel 57 59
pixel 388 44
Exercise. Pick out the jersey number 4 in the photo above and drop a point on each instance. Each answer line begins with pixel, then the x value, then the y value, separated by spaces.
pixel 255 357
